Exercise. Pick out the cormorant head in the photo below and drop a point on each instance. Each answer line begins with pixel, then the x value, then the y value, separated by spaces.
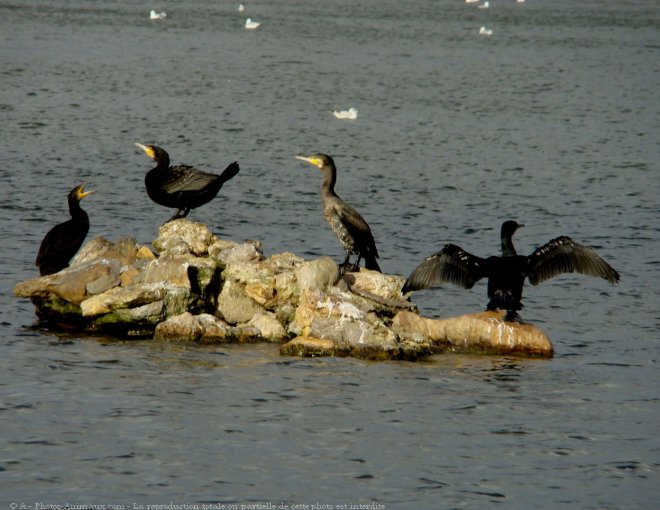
pixel 78 193
pixel 319 160
pixel 509 228
pixel 156 153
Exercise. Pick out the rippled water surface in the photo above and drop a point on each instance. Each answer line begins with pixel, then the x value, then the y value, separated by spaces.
pixel 552 121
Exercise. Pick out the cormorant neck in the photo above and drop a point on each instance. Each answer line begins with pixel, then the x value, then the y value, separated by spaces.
pixel 329 180
pixel 507 247
pixel 163 163
pixel 74 208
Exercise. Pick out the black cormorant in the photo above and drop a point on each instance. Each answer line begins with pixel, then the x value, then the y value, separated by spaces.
pixel 62 242
pixel 506 274
pixel 181 187
pixel 351 229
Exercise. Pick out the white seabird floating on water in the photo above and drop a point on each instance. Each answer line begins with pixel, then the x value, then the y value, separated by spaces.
pixel 486 31
pixel 350 114
pixel 251 25
pixel 484 5
pixel 241 7
pixel 157 15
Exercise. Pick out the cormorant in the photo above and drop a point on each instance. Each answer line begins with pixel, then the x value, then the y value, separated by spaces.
pixel 182 186
pixel 351 229
pixel 506 274
pixel 62 242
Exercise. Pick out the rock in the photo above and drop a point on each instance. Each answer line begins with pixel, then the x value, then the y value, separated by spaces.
pixel 358 332
pixel 129 297
pixel 214 330
pixel 199 288
pixel 70 284
pixel 141 318
pixel 245 271
pixel 93 249
pixel 171 269
pixel 204 328
pixel 317 274
pixel 309 347
pixel 102 284
pixel 220 245
pixel 268 327
pixel 387 286
pixel 282 263
pixel 261 291
pixel 144 253
pixel 246 252
pixel 484 332
pixel 234 306
pixel 272 292
pixel 123 250
pixel 183 235
pixel 199 275
pixel 180 328
pixel 131 276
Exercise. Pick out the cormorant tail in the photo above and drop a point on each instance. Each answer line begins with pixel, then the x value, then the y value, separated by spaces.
pixel 370 263
pixel 503 300
pixel 229 172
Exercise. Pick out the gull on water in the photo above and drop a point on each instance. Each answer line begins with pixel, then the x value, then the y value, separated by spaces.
pixel 484 5
pixel 350 114
pixel 471 1
pixel 157 15
pixel 241 7
pixel 251 25
pixel 486 31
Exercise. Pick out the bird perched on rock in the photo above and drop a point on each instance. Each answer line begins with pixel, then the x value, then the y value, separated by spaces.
pixel 181 187
pixel 351 229
pixel 506 274
pixel 62 242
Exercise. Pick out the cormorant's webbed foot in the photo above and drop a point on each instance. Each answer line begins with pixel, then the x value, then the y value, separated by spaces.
pixel 180 213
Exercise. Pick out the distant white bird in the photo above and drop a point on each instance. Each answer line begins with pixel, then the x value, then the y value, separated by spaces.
pixel 484 5
pixel 241 7
pixel 471 1
pixel 520 1
pixel 251 25
pixel 157 15
pixel 486 31
pixel 350 114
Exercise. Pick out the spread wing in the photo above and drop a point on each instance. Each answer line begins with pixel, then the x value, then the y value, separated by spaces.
pixel 563 255
pixel 452 264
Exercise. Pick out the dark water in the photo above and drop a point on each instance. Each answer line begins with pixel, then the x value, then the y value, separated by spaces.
pixel 552 121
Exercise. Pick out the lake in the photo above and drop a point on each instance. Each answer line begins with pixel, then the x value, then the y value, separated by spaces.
pixel 551 121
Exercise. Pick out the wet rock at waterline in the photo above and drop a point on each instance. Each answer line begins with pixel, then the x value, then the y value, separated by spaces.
pixel 197 288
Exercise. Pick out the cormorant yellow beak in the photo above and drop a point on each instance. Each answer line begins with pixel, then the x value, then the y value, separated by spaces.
pixel 82 193
pixel 147 150
pixel 310 159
